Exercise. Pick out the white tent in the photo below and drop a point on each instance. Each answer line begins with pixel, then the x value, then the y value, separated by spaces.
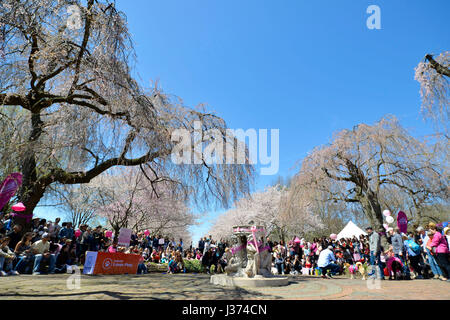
pixel 350 230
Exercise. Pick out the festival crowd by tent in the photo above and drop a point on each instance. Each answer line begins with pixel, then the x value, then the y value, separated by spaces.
pixel 52 247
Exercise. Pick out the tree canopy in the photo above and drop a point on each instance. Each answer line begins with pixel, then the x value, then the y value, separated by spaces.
pixel 70 108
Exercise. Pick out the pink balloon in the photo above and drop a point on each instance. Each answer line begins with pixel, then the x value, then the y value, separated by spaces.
pixel 297 240
pixel 333 236
pixel 19 207
pixel 147 233
pixel 108 234
pixel 77 233
pixel 385 226
pixel 386 213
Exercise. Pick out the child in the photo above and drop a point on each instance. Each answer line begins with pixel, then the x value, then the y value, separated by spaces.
pixel 307 268
pixel 155 256
pixel 142 268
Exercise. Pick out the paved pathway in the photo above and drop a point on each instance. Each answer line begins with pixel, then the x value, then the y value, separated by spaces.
pixel 197 286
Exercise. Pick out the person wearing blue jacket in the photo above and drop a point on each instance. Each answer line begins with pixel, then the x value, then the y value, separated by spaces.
pixel 414 253
pixel 66 231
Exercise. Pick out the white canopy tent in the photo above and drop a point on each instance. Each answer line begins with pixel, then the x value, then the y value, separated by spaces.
pixel 350 231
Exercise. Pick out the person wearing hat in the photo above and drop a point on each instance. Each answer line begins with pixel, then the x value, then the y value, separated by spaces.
pixel 42 255
pixel 447 235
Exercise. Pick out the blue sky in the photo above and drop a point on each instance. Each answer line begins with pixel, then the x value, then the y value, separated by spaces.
pixel 308 68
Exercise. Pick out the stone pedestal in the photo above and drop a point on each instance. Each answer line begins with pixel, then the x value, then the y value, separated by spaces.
pixel 227 281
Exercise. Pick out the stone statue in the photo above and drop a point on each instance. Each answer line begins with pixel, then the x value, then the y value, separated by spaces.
pixel 265 260
pixel 238 262
pixel 259 259
pixel 250 263
pixel 253 259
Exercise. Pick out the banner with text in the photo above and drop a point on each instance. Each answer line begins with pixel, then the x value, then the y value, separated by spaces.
pixel 110 263
pixel 124 237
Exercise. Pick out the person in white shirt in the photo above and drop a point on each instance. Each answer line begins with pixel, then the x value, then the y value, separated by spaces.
pixel 41 250
pixel 325 263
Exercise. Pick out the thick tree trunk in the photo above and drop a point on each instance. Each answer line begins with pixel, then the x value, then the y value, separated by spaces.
pixel 32 190
pixel 372 210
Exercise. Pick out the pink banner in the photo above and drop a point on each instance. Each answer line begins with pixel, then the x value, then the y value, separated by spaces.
pixel 402 222
pixel 9 188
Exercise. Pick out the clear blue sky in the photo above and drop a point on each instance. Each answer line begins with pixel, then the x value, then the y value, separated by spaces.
pixel 308 68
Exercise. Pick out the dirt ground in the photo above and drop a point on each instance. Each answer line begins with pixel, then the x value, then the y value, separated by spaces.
pixel 197 286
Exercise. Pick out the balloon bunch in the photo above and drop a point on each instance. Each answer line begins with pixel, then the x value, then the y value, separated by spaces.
pixel 389 218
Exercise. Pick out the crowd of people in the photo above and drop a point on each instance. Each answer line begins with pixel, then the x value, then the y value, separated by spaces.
pixel 52 247
pixel 422 254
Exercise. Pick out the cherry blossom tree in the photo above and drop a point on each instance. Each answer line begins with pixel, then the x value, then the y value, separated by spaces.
pixel 362 166
pixel 433 75
pixel 266 208
pixel 127 199
pixel 72 110
pixel 78 202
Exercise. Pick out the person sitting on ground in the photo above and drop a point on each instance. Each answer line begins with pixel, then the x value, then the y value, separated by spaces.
pixel 65 258
pixel 180 262
pixel 325 263
pixel 6 258
pixel 223 261
pixel 130 250
pixel 308 265
pixel 176 264
pixel 165 256
pixel 297 265
pixel 146 254
pixel 288 265
pixel 155 256
pixel 279 263
pixel 24 254
pixel 42 255
pixel 198 255
pixel 189 256
pixel 15 235
pixel 172 266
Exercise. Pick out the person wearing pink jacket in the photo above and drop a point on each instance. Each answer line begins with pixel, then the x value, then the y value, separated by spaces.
pixel 439 247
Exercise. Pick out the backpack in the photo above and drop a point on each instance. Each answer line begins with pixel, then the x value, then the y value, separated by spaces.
pixel 414 246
